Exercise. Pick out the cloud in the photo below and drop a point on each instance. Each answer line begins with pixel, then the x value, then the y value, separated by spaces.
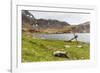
pixel 72 18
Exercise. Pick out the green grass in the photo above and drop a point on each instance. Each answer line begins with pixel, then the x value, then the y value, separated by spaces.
pixel 37 50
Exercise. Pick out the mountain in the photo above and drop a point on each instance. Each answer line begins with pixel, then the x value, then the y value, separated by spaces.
pixel 27 20
pixel 27 17
pixel 82 28
pixel 44 24
pixel 31 24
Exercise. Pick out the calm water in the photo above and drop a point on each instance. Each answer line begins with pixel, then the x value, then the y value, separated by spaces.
pixel 84 37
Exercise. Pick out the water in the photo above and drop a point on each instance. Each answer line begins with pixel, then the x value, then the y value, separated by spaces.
pixel 83 37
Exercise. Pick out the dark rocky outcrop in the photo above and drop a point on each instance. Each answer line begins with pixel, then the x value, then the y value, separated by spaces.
pixel 60 54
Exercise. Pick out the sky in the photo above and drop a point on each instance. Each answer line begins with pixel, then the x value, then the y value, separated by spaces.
pixel 71 18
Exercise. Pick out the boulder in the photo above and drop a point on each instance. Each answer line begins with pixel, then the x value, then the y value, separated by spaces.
pixel 60 54
pixel 67 46
pixel 79 46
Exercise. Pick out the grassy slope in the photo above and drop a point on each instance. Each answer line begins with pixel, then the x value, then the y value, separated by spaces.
pixel 35 49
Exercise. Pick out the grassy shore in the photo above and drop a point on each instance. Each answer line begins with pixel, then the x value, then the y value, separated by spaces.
pixel 36 50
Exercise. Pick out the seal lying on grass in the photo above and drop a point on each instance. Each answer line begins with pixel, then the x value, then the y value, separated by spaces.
pixel 60 54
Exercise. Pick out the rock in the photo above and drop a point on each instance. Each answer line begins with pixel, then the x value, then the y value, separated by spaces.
pixel 79 46
pixel 82 57
pixel 51 48
pixel 75 58
pixel 33 50
pixel 67 46
pixel 60 54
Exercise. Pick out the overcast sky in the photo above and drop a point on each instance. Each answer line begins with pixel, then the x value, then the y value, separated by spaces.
pixel 71 18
